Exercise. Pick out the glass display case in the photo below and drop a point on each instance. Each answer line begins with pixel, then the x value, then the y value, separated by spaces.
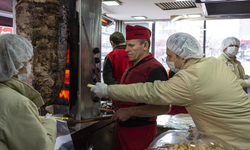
pixel 185 140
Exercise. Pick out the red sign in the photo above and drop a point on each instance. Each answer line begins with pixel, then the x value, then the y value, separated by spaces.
pixel 244 41
pixel 4 30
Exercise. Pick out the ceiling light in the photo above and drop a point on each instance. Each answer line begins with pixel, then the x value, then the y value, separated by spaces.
pixel 111 2
pixel 194 15
pixel 139 17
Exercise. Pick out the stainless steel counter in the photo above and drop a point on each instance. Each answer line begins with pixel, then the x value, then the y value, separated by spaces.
pixel 98 135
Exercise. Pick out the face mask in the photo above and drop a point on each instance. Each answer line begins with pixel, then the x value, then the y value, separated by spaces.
pixel 232 51
pixel 172 67
pixel 24 77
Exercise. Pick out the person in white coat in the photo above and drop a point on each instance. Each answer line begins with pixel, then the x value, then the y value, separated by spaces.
pixel 205 86
pixel 230 47
pixel 20 126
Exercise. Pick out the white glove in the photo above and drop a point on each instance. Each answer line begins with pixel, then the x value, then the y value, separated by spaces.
pixel 49 116
pixel 100 89
pixel 247 82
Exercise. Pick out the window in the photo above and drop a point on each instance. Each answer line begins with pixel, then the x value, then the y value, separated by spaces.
pixel 164 29
pixel 218 30
pixel 106 46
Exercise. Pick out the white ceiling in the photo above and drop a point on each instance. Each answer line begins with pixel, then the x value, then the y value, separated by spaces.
pixel 146 8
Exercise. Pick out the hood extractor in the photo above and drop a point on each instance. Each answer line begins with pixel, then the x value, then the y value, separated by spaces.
pixel 225 8
pixel 176 5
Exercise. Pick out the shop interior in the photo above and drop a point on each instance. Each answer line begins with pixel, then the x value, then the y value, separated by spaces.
pixel 80 30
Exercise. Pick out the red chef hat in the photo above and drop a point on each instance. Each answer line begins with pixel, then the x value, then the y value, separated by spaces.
pixel 137 32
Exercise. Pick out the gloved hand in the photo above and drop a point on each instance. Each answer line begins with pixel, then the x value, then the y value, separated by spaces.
pixel 100 89
pixel 247 82
pixel 49 116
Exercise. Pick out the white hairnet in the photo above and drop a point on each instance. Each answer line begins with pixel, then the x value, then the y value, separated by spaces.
pixel 229 41
pixel 184 45
pixel 14 51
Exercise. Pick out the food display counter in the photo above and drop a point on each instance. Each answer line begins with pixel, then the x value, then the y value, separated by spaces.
pixel 174 122
pixel 177 132
pixel 184 140
pixel 99 135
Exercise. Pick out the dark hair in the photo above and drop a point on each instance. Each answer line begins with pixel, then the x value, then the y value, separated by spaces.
pixel 145 40
pixel 117 38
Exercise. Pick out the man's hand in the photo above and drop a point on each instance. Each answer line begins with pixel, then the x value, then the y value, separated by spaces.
pixel 100 89
pixel 122 114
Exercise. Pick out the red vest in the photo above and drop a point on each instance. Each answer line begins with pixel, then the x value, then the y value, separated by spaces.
pixel 137 133
pixel 119 60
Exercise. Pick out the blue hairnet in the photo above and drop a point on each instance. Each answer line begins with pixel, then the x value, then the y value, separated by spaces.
pixel 184 45
pixel 15 50
pixel 229 41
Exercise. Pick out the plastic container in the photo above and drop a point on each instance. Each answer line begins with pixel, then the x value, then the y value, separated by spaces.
pixel 184 140
pixel 180 122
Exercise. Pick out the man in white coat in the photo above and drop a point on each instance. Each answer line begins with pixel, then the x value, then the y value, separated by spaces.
pixel 205 86
pixel 230 47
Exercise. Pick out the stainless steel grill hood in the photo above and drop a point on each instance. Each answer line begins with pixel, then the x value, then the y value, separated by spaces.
pixel 225 8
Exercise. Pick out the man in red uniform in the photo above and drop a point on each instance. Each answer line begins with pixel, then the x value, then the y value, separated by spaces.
pixel 116 61
pixel 136 122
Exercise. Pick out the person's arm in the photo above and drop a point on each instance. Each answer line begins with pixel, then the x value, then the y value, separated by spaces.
pixel 24 130
pixel 247 77
pixel 152 110
pixel 177 91
pixel 123 114
pixel 242 82
pixel 108 75
pixel 245 82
